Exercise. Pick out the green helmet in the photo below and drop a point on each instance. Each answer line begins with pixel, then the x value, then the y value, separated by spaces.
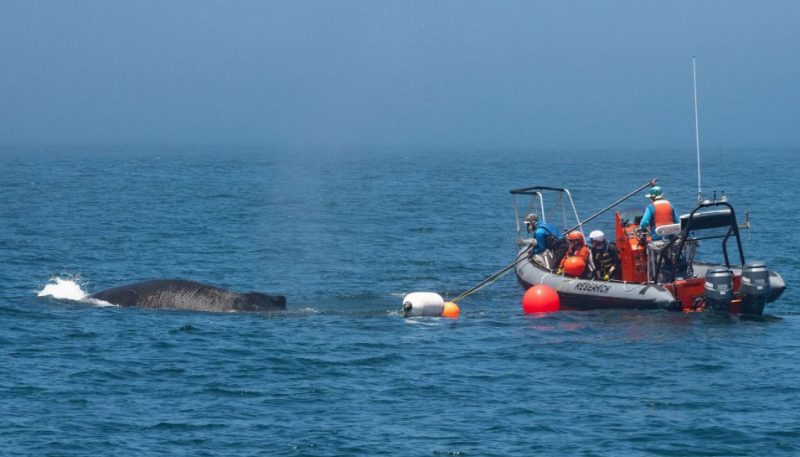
pixel 655 192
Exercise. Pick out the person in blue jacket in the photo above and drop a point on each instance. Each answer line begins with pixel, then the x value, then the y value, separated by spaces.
pixel 659 212
pixel 545 236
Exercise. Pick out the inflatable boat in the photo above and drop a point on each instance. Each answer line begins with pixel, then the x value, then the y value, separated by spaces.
pixel 656 273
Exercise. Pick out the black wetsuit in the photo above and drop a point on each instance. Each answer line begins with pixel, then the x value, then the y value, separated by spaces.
pixel 604 258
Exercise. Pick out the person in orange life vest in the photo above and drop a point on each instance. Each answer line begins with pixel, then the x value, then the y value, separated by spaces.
pixel 659 212
pixel 577 247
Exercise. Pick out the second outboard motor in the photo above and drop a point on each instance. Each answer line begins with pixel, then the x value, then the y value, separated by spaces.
pixel 718 288
pixel 754 288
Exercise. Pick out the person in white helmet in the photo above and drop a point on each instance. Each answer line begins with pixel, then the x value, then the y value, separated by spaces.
pixel 604 256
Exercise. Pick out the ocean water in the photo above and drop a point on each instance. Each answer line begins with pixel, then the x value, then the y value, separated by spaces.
pixel 344 236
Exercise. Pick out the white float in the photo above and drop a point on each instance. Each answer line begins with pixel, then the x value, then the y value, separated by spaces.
pixel 423 304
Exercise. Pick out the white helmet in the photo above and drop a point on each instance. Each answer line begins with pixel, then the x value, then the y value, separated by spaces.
pixel 597 235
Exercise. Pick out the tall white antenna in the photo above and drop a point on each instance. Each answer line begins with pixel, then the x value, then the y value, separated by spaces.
pixel 697 132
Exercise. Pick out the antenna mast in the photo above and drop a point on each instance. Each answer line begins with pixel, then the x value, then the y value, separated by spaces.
pixel 697 132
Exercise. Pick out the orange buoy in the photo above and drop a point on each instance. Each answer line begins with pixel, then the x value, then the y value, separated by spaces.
pixel 574 266
pixel 540 299
pixel 451 310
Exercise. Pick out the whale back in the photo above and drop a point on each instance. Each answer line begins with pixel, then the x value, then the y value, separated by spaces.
pixel 188 295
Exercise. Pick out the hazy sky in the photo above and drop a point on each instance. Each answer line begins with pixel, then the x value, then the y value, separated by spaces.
pixel 432 74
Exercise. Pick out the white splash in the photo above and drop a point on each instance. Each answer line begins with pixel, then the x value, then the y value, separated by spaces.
pixel 63 289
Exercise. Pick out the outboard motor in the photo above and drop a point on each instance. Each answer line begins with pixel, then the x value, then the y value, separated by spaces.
pixel 754 288
pixel 718 288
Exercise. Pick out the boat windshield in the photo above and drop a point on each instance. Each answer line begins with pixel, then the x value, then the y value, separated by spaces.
pixel 548 203
pixel 631 216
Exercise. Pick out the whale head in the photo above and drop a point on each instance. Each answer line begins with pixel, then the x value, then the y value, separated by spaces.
pixel 257 301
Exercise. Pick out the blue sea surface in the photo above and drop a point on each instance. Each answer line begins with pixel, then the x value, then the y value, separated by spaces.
pixel 344 236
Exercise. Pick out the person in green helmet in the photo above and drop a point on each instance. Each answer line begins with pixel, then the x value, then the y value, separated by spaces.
pixel 659 212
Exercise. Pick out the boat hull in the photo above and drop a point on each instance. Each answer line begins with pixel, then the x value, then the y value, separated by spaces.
pixel 577 293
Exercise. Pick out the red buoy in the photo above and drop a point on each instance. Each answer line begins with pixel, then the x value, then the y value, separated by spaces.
pixel 540 299
pixel 574 266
